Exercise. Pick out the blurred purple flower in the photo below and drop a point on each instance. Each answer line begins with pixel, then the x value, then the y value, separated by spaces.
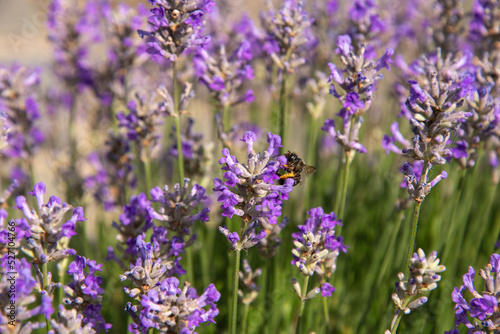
pixel 174 27
pixel 26 292
pixel 84 292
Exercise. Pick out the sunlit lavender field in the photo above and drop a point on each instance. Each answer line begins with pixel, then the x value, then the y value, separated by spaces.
pixel 200 166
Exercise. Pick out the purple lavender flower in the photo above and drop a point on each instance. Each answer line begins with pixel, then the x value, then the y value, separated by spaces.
pixel 141 125
pixel 483 24
pixel 357 82
pixel 162 305
pixel 169 308
pixel 482 306
pixel 146 272
pixel 248 288
pixel 16 319
pixel 225 74
pixel 47 227
pixel 249 190
pixel 68 321
pixel 71 30
pixel 125 47
pixel 84 293
pixel 433 107
pixel 423 277
pixel 316 251
pixel 133 222
pixel 176 210
pixel 366 27
pixel 113 172
pixel 288 33
pixel 19 112
pixel 174 27
pixel 317 246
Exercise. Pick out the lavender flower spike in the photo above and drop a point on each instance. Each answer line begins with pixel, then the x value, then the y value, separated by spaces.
pixel 423 277
pixel 84 293
pixel 317 248
pixel 250 190
pixel 175 26
pixel 483 306
pixel 288 33
pixel 171 309
pixel 176 210
pixel 47 227
pixel 17 318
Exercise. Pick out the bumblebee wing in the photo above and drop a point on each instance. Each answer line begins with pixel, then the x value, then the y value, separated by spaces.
pixel 308 170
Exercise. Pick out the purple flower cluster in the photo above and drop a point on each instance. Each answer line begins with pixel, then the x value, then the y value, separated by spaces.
pixel 433 108
pixel 48 226
pixel 483 24
pixel 113 172
pixel 162 305
pixel 366 27
pixel 225 74
pixel 84 293
pixel 316 245
pixel 482 306
pixel 357 81
pixel 423 277
pixel 133 222
pixel 175 26
pixel 176 211
pixel 70 321
pixel 169 308
pixel 71 30
pixel 19 112
pixel 141 125
pixel 288 34
pixel 124 49
pixel 249 190
pixel 15 318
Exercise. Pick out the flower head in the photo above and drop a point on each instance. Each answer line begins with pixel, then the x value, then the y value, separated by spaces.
pixel 84 293
pixel 249 190
pixel 483 305
pixel 48 227
pixel 175 26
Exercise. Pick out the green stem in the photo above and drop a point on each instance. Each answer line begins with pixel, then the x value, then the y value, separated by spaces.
pixel 341 208
pixel 394 329
pixel 190 275
pixel 414 221
pixel 180 155
pixel 245 319
pixel 234 315
pixel 225 118
pixel 147 175
pixel 326 314
pixel 282 109
pixel 413 235
pixel 300 320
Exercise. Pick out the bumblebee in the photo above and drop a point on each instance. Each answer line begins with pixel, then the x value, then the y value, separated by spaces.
pixel 294 167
